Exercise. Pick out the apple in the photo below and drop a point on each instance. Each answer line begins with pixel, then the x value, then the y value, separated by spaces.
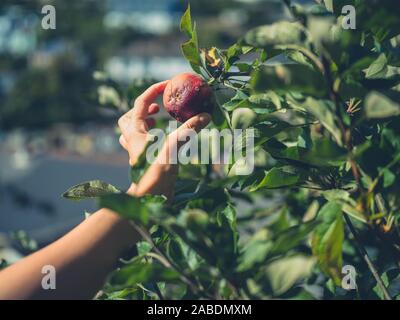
pixel 187 95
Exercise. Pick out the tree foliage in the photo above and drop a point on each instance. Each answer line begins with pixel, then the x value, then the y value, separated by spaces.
pixel 324 193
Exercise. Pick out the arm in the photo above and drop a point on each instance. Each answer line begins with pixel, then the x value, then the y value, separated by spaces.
pixel 86 255
pixel 82 259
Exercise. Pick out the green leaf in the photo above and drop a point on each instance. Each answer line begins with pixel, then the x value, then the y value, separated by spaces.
pixel 284 273
pixel 327 240
pixel 90 189
pixel 143 247
pixel 255 250
pixel 329 5
pixel 3 264
pixel 388 178
pixel 278 177
pixel 268 98
pixel 323 110
pixel 190 49
pixel 263 246
pixel 295 77
pixel 141 272
pixel 194 219
pixel 229 212
pixel 291 237
pixel 324 152
pixel 26 243
pixel 108 96
pixel 376 67
pixel 243 118
pixel 139 210
pixel 348 204
pixel 379 106
pixel 186 23
pixel 279 33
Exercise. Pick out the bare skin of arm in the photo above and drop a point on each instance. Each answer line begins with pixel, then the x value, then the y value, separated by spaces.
pixel 86 255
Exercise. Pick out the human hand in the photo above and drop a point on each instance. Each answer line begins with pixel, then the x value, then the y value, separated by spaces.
pixel 161 175
pixel 135 124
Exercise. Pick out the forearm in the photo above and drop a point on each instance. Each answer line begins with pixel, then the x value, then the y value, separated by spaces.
pixel 82 260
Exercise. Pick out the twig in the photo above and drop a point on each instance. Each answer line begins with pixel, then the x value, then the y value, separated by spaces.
pixel 366 258
pixel 193 287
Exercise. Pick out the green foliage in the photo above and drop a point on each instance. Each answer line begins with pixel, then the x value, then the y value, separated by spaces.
pixel 325 186
pixel 89 189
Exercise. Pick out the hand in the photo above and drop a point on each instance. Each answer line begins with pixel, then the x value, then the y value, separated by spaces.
pixel 161 175
pixel 135 124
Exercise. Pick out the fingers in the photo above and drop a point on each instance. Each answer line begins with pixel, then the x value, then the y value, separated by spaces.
pixel 127 121
pixel 145 100
pixel 196 123
pixel 154 108
pixel 123 142
pixel 177 138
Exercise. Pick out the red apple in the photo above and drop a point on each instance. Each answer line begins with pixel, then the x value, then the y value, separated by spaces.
pixel 186 95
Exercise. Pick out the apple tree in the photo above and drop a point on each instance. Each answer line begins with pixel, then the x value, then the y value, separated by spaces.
pixel 319 216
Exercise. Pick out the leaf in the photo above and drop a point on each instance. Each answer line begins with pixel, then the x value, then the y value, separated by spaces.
pixel 263 246
pixel 190 48
pixel 108 96
pixel 190 51
pixel 243 118
pixel 212 57
pixel 279 33
pixel 229 212
pixel 348 204
pixel 376 67
pixel 143 247
pixel 141 272
pixel 291 237
pixel 186 23
pixel 379 106
pixel 284 273
pixel 255 250
pixel 238 100
pixel 24 241
pixel 90 189
pixel 295 77
pixel 137 209
pixel 327 240
pixel 3 264
pixel 323 152
pixel 267 98
pixel 278 177
pixel 323 110
pixel 329 5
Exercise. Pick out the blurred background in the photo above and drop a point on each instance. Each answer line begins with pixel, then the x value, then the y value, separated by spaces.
pixel 55 129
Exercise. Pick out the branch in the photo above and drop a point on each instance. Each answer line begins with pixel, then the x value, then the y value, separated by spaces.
pixel 193 287
pixel 367 259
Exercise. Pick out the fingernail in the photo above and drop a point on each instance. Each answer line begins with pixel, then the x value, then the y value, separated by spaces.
pixel 204 119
